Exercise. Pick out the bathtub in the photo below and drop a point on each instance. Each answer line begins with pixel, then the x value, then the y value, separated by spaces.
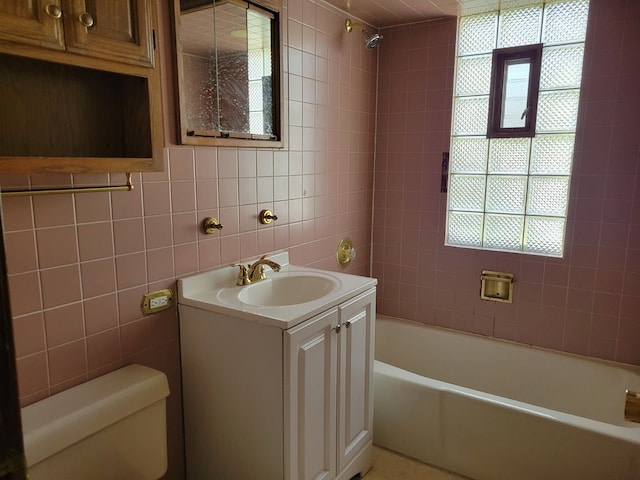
pixel 492 410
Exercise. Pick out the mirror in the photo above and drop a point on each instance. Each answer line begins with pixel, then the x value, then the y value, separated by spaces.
pixel 228 59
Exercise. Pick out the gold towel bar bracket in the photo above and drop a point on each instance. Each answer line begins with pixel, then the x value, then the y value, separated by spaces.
pixel 49 191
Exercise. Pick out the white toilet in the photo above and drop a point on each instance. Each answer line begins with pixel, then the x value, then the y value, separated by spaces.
pixel 112 427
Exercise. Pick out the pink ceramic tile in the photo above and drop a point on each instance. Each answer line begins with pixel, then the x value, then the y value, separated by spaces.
pixel 248 218
pixel 50 180
pixel 98 277
pixel 554 296
pixel 228 192
pixel 206 194
pixel 100 313
pixel 129 302
pixel 20 251
pixel 186 259
pixel 157 200
pixel 603 348
pixel 627 351
pixel 230 249
pixel 247 191
pixel 604 326
pixel 50 211
pixel 67 361
pixel 183 197
pixel 25 293
pixel 181 164
pixel 206 163
pixel 165 331
pixel 612 258
pixel 614 235
pixel 57 246
pixel 95 240
pixel 606 303
pixel 33 375
pixel 160 264
pixel 556 274
pixel 249 245
pixel 579 299
pixel 128 236
pixel 93 207
pixel 185 227
pixel 29 335
pixel 207 254
pixel 135 337
pixel 229 217
pixel 158 231
pixel 103 349
pixel 228 163
pixel 130 270
pixel 608 281
pixel 90 179
pixel 126 204
pixel 60 285
pixel 17 213
pixel 64 324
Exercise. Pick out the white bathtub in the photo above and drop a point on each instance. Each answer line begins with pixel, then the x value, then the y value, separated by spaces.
pixel 493 410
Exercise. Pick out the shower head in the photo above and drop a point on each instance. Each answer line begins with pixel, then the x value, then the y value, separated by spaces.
pixel 371 40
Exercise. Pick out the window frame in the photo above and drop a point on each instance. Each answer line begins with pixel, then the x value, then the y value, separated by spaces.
pixel 499 60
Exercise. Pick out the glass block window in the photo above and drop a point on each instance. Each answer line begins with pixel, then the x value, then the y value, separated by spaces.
pixel 511 194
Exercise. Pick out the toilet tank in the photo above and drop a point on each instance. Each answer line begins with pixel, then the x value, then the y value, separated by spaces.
pixel 111 427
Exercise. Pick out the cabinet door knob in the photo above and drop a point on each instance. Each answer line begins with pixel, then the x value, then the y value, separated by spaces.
pixel 337 328
pixel 54 11
pixel 347 324
pixel 85 19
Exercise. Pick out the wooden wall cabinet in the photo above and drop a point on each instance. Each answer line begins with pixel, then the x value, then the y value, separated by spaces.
pixel 79 87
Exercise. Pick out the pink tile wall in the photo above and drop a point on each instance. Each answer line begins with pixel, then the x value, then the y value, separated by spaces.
pixel 587 303
pixel 79 264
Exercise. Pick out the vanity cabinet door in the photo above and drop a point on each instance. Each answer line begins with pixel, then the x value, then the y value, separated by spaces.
pixel 355 376
pixel 111 29
pixel 310 403
pixel 37 23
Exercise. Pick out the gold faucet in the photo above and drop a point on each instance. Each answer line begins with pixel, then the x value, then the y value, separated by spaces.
pixel 255 271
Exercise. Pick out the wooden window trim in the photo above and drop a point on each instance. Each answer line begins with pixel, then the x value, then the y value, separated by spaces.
pixel 500 57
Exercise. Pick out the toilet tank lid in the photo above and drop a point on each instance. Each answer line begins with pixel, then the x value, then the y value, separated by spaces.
pixel 61 420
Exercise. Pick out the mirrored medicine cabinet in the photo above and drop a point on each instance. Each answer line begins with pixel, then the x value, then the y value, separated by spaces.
pixel 228 58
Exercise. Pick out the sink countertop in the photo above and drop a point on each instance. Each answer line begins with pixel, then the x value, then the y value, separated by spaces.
pixel 216 291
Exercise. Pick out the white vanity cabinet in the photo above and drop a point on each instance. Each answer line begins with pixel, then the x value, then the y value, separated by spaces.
pixel 263 402
pixel 328 402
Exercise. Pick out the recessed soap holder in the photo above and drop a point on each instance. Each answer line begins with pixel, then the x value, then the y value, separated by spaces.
pixel 496 286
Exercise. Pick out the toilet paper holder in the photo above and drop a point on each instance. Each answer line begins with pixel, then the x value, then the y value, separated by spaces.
pixel 496 286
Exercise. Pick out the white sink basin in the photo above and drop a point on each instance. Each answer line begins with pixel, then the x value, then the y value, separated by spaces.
pixel 284 299
pixel 287 290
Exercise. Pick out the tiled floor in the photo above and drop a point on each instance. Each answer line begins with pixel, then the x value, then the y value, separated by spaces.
pixel 388 465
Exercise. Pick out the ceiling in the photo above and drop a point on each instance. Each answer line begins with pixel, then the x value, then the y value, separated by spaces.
pixel 387 13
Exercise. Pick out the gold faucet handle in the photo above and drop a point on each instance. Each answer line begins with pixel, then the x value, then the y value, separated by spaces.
pixel 258 273
pixel 243 275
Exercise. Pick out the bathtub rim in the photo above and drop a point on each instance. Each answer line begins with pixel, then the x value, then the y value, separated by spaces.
pixel 627 432
pixel 603 361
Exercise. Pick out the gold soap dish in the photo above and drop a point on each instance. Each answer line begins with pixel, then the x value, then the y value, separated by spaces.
pixel 496 286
